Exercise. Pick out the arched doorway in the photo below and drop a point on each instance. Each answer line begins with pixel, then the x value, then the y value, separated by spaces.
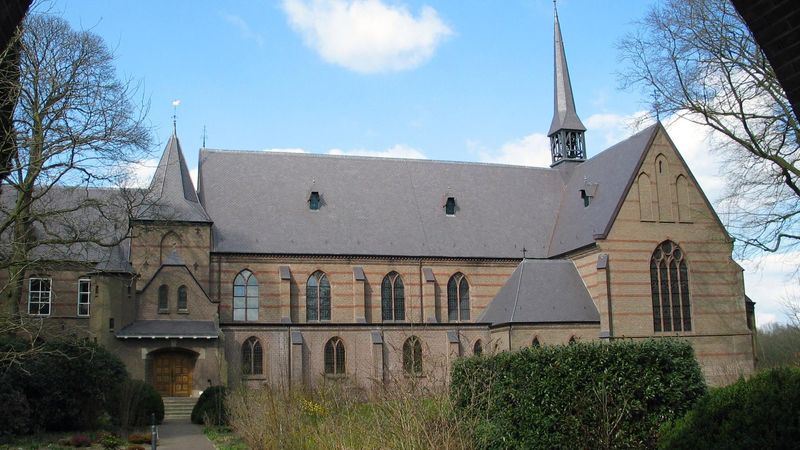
pixel 172 372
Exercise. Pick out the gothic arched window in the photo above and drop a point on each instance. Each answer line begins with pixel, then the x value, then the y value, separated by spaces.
pixel 245 296
pixel 393 306
pixel 458 298
pixel 412 356
pixel 252 357
pixel 669 287
pixel 183 303
pixel 334 357
pixel 163 298
pixel 318 297
pixel 477 349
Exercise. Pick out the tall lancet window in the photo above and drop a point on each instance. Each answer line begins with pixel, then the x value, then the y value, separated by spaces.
pixel 669 287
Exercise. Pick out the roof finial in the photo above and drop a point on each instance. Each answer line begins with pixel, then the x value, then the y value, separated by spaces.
pixel 175 104
pixel 204 136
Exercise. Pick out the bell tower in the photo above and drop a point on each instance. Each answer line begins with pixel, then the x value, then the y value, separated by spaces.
pixel 567 142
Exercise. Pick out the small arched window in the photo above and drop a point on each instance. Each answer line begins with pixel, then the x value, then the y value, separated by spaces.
pixel 163 298
pixel 318 297
pixel 536 343
pixel 477 349
pixel 458 298
pixel 334 357
pixel 412 356
pixel 245 296
pixel 252 357
pixel 183 303
pixel 393 306
pixel 669 288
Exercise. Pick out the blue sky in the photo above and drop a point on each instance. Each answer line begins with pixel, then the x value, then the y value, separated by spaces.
pixel 456 80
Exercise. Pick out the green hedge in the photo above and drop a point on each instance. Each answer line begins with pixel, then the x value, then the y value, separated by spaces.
pixel 210 407
pixel 587 395
pixel 760 412
pixel 133 404
pixel 66 384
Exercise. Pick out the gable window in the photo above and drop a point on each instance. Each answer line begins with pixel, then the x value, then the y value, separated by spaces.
pixel 252 357
pixel 313 201
pixel 450 206
pixel 334 357
pixel 669 288
pixel 412 356
pixel 84 296
pixel 477 349
pixel 458 298
pixel 318 297
pixel 39 295
pixel 393 297
pixel 183 304
pixel 163 299
pixel 245 296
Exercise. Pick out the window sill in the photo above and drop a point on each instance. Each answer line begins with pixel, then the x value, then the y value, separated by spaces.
pixel 183 311
pixel 83 316
pixel 254 377
pixel 336 376
pixel 414 375
pixel 163 311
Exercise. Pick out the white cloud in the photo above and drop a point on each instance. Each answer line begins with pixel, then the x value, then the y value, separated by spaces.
pixel 140 174
pixel 367 36
pixel 531 150
pixel 398 151
pixel 245 31
pixel 770 280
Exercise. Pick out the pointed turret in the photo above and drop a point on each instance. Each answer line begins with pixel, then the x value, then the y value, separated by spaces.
pixel 567 141
pixel 171 191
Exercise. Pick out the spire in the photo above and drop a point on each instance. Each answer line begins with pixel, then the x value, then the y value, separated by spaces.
pixel 172 192
pixel 566 129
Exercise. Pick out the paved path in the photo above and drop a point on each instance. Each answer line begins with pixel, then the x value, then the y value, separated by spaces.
pixel 182 435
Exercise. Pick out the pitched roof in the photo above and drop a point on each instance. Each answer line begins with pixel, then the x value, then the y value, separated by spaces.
pixel 172 191
pixel 608 175
pixel 376 206
pixel 564 115
pixel 180 329
pixel 542 291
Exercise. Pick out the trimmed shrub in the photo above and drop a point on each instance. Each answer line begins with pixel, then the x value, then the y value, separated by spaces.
pixel 133 403
pixel 15 418
pixel 760 412
pixel 66 384
pixel 592 395
pixel 210 407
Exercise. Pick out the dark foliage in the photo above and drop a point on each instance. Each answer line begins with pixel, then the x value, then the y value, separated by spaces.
pixel 778 345
pixel 15 416
pixel 67 384
pixel 134 402
pixel 591 395
pixel 210 407
pixel 761 412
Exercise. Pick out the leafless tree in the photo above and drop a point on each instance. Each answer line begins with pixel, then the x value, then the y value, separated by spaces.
pixel 77 130
pixel 697 59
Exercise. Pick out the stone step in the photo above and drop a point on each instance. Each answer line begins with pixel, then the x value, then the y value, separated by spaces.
pixel 178 407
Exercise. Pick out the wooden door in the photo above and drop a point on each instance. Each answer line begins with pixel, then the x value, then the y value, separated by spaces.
pixel 172 374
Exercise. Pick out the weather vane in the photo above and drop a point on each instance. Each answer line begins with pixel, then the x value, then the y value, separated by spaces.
pixel 175 104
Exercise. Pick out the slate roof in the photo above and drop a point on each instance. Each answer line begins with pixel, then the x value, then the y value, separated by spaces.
pixel 182 329
pixel 608 174
pixel 542 291
pixel 172 192
pixel 376 206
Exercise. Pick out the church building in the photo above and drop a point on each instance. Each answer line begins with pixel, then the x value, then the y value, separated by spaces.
pixel 292 269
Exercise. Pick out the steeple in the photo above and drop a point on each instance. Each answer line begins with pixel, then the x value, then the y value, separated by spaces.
pixel 171 192
pixel 567 142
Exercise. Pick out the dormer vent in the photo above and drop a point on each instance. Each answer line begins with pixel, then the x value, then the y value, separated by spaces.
pixel 450 206
pixel 314 201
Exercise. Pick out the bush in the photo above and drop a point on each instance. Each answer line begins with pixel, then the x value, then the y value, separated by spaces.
pixel 110 441
pixel 66 384
pixel 133 403
pixel 15 418
pixel 80 440
pixel 761 412
pixel 140 438
pixel 210 407
pixel 596 394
